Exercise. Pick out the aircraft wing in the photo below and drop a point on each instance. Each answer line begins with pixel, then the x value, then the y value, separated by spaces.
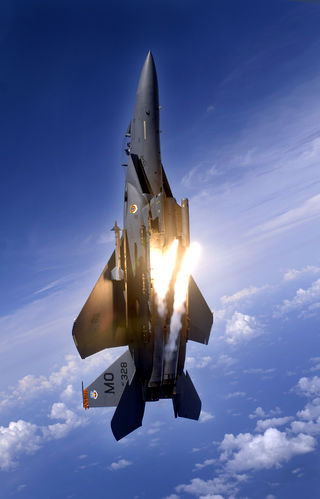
pixel 101 322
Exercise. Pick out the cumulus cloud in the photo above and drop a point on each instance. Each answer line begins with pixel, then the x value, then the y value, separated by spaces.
pixel 292 274
pixel 309 418
pixel 255 452
pixel 309 427
pixel 240 295
pixel 242 327
pixel 304 299
pixel 21 437
pixel 205 416
pixel 30 386
pixel 260 413
pixel 316 364
pixel 207 462
pixel 311 410
pixel 264 424
pixel 70 418
pixel 309 386
pixel 120 464
pixel 220 485
pixel 200 363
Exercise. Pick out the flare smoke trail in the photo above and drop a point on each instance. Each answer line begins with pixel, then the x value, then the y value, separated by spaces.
pixel 190 258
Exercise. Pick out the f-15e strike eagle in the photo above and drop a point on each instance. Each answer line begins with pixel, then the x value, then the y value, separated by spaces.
pixel 145 297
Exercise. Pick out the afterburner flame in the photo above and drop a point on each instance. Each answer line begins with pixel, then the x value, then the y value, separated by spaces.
pixel 162 267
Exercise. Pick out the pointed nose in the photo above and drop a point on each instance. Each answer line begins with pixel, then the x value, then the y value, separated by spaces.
pixel 148 83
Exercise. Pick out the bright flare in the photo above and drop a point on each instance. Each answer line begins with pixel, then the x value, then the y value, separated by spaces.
pixel 190 258
pixel 162 267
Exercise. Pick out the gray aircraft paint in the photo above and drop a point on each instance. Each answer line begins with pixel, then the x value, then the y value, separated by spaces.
pixel 122 309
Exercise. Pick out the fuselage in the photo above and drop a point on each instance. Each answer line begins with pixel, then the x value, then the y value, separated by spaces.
pixel 152 219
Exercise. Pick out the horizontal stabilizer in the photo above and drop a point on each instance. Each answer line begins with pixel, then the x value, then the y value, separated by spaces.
pixel 107 389
pixel 101 322
pixel 200 315
pixel 186 401
pixel 129 413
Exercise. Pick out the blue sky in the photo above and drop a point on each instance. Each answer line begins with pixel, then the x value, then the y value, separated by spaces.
pixel 239 83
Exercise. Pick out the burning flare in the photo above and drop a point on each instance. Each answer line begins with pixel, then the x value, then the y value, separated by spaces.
pixel 162 267
pixel 190 258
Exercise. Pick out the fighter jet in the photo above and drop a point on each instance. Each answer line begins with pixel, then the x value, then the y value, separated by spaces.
pixel 145 297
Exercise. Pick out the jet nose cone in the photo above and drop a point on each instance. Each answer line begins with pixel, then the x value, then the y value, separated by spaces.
pixel 148 79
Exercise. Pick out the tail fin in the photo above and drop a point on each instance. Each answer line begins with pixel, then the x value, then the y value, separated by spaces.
pixel 107 389
pixel 186 401
pixel 129 413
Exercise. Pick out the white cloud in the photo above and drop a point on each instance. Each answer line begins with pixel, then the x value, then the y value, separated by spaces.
pixel 71 421
pixel 199 175
pixel 260 413
pixel 263 425
pixel 311 418
pixel 152 431
pixel 305 298
pixel 309 427
pixel 296 471
pixel 311 410
pixel 234 395
pixel 200 363
pixel 172 496
pixel 120 464
pixel 259 370
pixel 309 386
pixel 207 462
pixel 217 486
pixel 240 295
pixel 292 274
pixel 20 437
pixel 308 211
pixel 246 451
pixel 154 442
pixel 242 327
pixel 210 496
pixel 225 361
pixel 30 386
pixel 67 393
pixel 205 416
pixel 316 364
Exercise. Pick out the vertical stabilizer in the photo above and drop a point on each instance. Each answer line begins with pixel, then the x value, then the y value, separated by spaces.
pixel 129 413
pixel 186 401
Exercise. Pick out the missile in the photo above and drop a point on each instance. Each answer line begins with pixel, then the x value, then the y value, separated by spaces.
pixel 145 297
